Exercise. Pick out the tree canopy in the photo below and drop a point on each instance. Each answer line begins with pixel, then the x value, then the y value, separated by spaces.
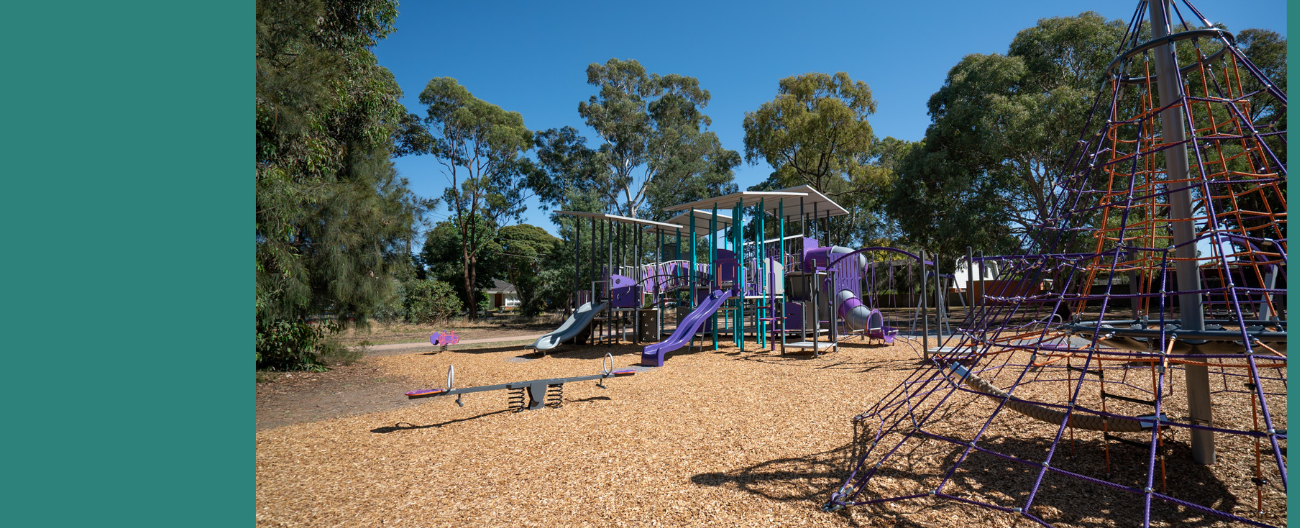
pixel 480 147
pixel 815 132
pixel 525 250
pixel 655 141
pixel 1002 129
pixel 332 214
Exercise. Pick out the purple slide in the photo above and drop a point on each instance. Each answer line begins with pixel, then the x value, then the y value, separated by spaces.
pixel 653 355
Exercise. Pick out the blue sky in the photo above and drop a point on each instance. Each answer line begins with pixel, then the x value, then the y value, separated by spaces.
pixel 531 57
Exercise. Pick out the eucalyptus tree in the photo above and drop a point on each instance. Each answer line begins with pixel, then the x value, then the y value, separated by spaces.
pixel 480 147
pixel 569 171
pixel 816 132
pixel 654 139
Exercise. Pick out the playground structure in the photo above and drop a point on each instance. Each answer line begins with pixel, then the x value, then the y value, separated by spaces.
pixel 1142 326
pixel 539 394
pixel 740 276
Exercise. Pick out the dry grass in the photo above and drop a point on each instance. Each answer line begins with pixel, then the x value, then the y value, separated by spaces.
pixel 401 332
pixel 725 438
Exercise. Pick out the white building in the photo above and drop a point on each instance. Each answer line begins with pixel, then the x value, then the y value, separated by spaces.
pixel 503 295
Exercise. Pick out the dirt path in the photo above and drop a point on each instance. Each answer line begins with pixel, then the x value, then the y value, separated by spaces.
pixel 360 388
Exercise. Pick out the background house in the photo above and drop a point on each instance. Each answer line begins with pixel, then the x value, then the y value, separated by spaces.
pixel 503 295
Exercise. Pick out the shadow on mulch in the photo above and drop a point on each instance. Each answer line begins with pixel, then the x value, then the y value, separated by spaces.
pixel 813 477
pixel 808 478
pixel 593 352
pixel 407 426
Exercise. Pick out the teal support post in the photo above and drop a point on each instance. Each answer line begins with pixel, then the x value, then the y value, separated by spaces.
pixel 738 222
pixel 740 275
pixel 780 211
pixel 677 256
pixel 713 267
pixel 691 283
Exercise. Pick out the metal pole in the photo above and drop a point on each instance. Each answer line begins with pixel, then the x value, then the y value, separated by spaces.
pixel 577 266
pixel 939 311
pixel 970 287
pixel 659 278
pixel 816 285
pixel 760 268
pixel 694 276
pixel 925 316
pixel 984 286
pixel 636 314
pixel 1191 317
pixel 609 283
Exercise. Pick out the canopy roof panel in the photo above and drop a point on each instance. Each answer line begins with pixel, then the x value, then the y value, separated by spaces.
pixel 621 219
pixel 702 217
pixel 772 201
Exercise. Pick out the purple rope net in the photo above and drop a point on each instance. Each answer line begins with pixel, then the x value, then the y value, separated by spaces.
pixel 1068 381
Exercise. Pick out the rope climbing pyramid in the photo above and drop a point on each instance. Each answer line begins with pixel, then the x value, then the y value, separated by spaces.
pixel 1150 377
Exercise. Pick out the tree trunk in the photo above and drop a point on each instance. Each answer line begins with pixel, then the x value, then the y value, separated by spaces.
pixel 469 284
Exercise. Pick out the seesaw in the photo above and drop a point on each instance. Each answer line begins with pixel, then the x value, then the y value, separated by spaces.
pixel 540 393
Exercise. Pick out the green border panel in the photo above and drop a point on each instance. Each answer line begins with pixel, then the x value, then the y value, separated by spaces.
pixel 1291 302
pixel 129 263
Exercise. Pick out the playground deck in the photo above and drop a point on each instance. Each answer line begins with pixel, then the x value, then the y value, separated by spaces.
pixel 725 438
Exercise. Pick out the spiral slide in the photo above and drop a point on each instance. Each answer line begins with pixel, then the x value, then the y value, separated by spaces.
pixel 858 316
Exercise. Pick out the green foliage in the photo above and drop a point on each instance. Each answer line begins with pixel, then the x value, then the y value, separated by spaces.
pixel 569 170
pixel 1003 128
pixel 430 301
pixel 288 345
pixel 332 215
pixel 443 253
pixel 815 132
pixel 655 142
pixel 525 249
pixel 480 147
pixel 393 307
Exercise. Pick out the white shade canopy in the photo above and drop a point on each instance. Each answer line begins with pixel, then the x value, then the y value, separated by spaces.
pixel 621 219
pixel 772 202
pixel 701 221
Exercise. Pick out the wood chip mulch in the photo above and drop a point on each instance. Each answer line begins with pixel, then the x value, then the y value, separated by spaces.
pixel 713 438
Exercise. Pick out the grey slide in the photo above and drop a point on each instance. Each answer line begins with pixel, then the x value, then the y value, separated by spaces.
pixel 574 325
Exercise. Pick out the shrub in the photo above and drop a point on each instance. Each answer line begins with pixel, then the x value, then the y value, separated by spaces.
pixel 429 301
pixel 288 345
pixel 392 308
